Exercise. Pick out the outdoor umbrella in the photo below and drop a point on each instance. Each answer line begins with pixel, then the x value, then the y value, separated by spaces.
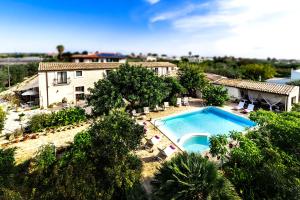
pixel 29 93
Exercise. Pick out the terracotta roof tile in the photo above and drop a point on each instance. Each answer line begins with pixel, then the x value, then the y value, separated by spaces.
pixel 57 66
pixel 257 86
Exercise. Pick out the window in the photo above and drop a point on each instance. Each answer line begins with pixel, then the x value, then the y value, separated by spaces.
pixel 79 89
pixel 78 73
pixel 156 70
pixel 62 78
pixel 79 97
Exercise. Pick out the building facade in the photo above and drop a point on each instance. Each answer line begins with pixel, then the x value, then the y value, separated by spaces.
pixel 295 74
pixel 99 58
pixel 71 81
pixel 270 93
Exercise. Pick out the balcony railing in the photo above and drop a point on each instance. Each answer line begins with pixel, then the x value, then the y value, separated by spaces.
pixel 59 82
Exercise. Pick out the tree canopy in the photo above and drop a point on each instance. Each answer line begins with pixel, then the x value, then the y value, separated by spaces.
pixel 18 73
pixel 264 163
pixel 98 165
pixel 189 176
pixel 191 77
pixel 60 49
pixel 258 71
pixel 174 88
pixel 215 95
pixel 134 85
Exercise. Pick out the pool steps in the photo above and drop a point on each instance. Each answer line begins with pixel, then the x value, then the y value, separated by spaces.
pixel 190 135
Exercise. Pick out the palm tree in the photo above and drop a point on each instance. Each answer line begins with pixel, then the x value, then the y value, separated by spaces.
pixel 60 48
pixel 191 177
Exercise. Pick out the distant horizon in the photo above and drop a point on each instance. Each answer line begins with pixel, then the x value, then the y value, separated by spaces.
pixel 145 54
pixel 239 28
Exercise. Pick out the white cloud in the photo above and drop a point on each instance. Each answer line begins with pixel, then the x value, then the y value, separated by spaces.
pixel 153 1
pixel 250 28
pixel 174 14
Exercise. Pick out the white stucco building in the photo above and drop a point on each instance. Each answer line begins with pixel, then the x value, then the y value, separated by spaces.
pixel 99 58
pixel 269 93
pixel 72 80
pixel 151 59
pixel 295 74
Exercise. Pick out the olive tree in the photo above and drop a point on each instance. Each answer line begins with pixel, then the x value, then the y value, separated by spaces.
pixel 191 77
pixel 134 85
pixel 215 95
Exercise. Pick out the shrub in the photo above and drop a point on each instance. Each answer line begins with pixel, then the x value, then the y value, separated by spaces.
pixel 7 166
pixel 2 118
pixel 21 116
pixel 175 89
pixel 45 157
pixel 296 83
pixel 38 122
pixel 17 133
pixel 82 140
pixel 215 95
pixel 61 118
pixel 189 176
pixel 296 107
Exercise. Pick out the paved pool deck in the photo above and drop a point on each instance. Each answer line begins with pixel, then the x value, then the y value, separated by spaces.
pixel 150 164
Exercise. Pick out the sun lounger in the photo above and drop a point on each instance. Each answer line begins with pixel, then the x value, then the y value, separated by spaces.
pixel 240 106
pixel 134 113
pixel 157 108
pixel 249 109
pixel 166 105
pixel 178 103
pixel 169 150
pixel 186 101
pixel 146 110
pixel 153 141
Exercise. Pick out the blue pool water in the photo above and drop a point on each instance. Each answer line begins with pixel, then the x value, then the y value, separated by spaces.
pixel 209 120
pixel 196 144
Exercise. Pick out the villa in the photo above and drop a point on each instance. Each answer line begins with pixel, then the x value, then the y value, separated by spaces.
pixel 99 58
pixel 71 81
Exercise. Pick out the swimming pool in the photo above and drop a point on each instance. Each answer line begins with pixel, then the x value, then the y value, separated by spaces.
pixel 191 131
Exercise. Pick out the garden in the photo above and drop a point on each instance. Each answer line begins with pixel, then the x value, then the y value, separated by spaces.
pixel 45 123
pixel 110 169
pixel 133 87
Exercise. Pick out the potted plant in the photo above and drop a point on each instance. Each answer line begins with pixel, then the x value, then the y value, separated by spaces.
pixel 64 102
pixel 21 116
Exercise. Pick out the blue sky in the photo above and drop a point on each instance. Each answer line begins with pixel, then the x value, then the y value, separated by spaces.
pixel 248 28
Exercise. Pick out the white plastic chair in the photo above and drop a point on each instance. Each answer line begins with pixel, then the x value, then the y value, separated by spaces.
pixel 249 109
pixel 178 103
pixel 240 106
pixel 186 101
pixel 134 113
pixel 146 110
pixel 166 105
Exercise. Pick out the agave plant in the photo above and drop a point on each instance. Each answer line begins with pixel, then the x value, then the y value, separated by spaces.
pixel 191 177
